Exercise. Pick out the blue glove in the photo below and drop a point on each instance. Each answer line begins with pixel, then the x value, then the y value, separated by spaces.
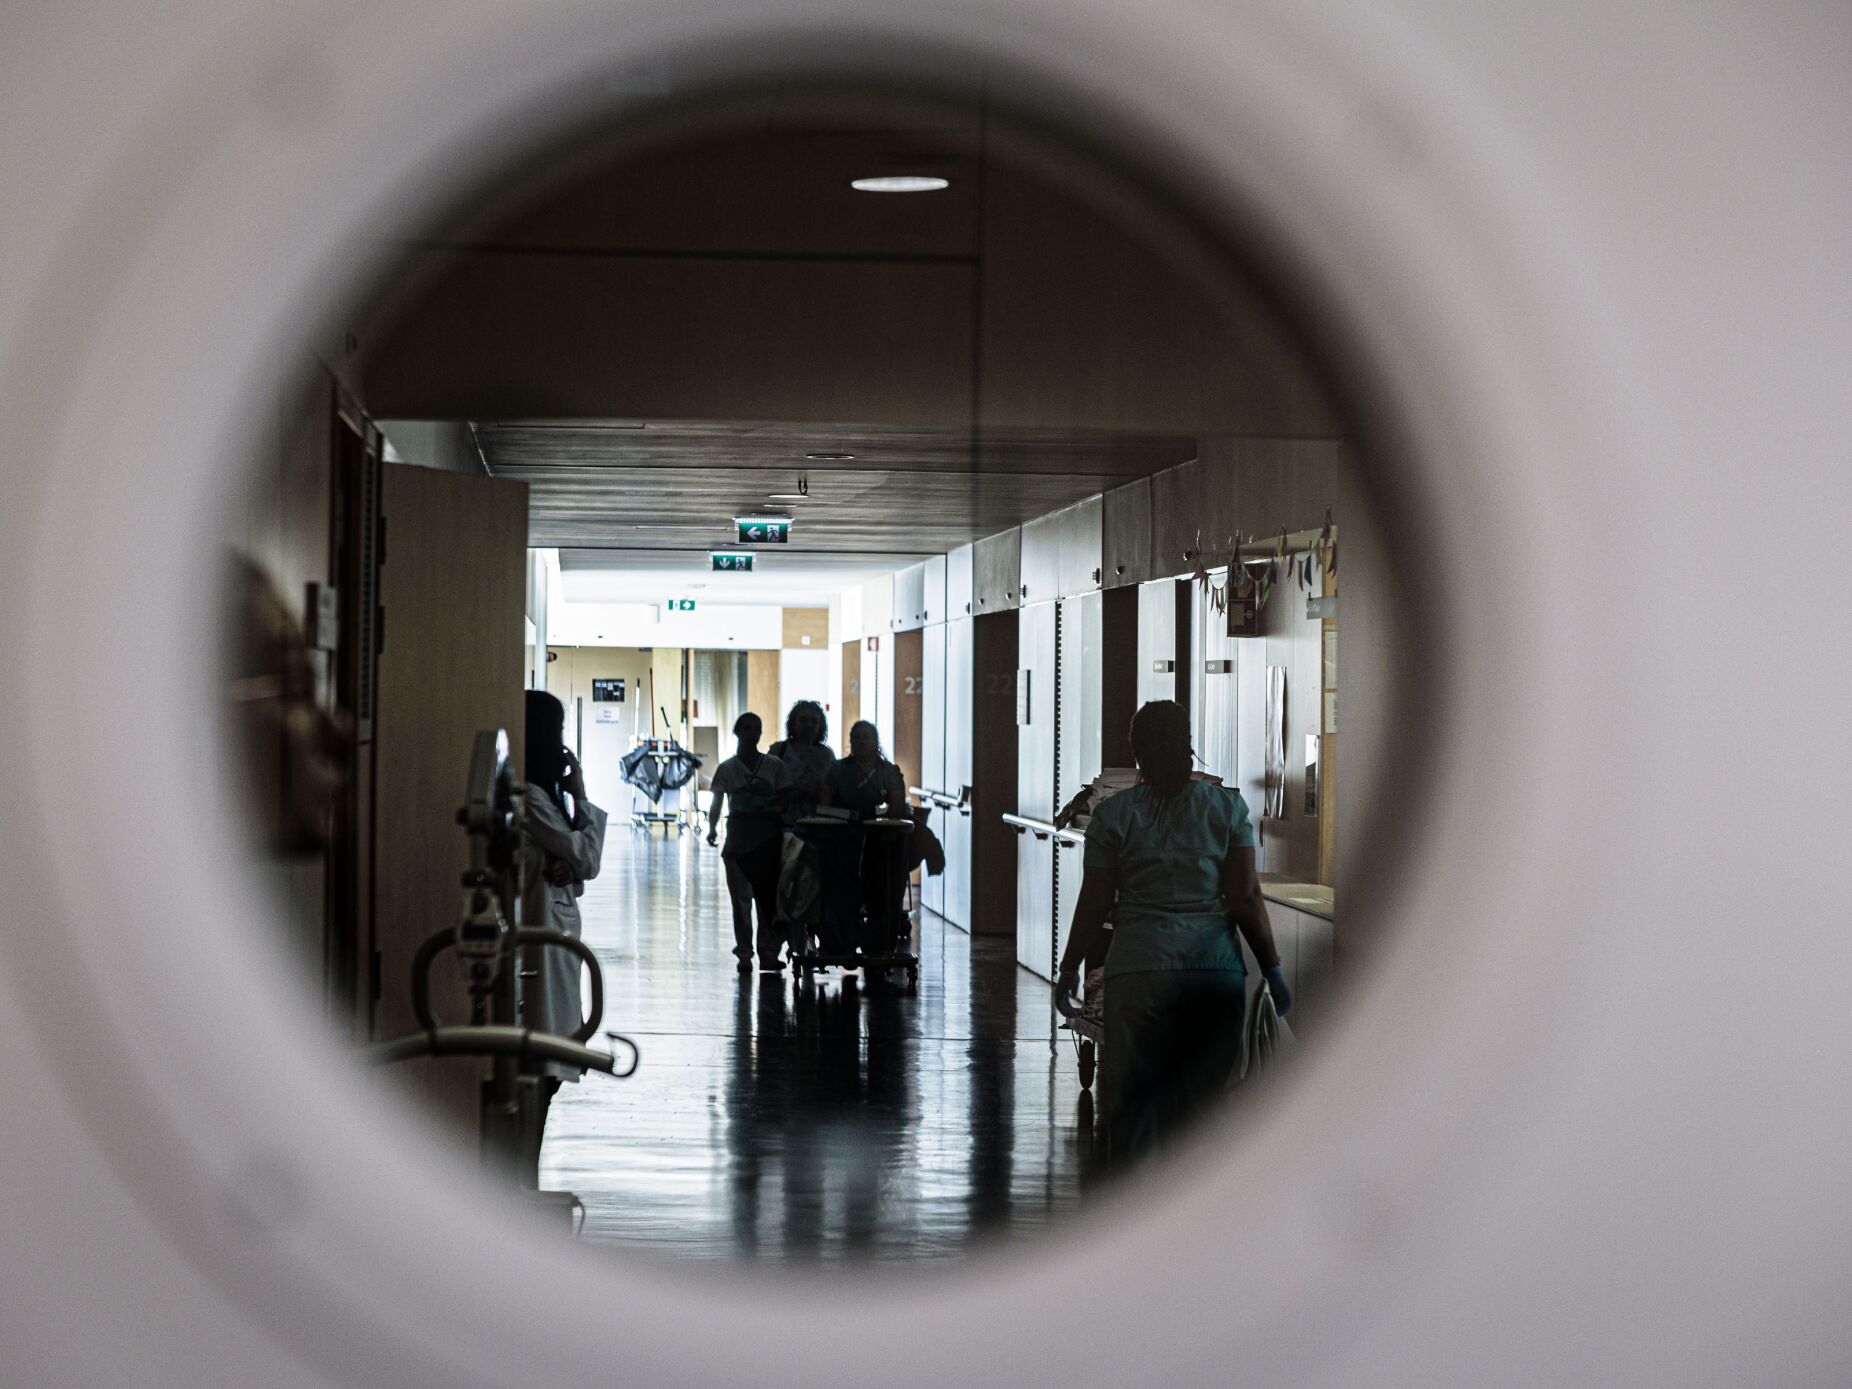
pixel 1066 987
pixel 1276 985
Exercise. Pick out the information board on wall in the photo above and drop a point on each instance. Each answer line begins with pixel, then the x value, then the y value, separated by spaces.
pixel 608 691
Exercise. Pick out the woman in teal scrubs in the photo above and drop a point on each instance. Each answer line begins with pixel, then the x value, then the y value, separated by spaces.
pixel 1170 863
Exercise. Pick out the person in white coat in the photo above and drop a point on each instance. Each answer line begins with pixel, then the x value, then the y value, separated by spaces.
pixel 564 844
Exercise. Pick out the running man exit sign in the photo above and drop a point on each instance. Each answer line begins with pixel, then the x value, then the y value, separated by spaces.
pixel 763 530
pixel 730 562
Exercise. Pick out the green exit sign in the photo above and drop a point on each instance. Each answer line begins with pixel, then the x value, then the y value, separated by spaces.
pixel 680 605
pixel 730 562
pixel 763 530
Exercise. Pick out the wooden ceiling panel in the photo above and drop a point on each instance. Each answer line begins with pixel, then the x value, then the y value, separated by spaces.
pixel 673 486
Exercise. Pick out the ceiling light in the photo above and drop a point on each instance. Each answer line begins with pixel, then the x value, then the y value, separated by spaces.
pixel 900 183
pixel 830 457
pixel 787 497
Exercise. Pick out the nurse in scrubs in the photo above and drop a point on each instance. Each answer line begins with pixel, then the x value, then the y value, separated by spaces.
pixel 1170 863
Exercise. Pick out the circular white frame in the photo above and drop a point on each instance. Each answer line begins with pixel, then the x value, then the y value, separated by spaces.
pixel 1369 157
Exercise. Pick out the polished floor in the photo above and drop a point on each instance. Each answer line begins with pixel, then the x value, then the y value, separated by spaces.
pixel 830 1122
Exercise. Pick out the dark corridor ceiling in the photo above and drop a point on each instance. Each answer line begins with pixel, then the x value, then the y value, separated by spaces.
pixel 673 485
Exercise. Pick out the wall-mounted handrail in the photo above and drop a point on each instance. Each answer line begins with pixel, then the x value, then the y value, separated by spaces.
pixel 1041 829
pixel 943 800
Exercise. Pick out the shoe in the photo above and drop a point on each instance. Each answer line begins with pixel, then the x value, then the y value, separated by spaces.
pixel 745 964
pixel 774 966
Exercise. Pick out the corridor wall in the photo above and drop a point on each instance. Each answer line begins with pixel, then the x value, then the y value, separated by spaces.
pixel 1160 534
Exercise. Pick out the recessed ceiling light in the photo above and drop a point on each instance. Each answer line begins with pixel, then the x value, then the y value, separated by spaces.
pixel 900 183
pixel 830 457
pixel 787 497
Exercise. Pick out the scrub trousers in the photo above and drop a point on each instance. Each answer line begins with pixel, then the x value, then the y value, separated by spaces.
pixel 1173 1039
pixel 752 881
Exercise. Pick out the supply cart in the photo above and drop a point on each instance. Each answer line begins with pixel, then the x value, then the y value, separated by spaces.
pixel 891 833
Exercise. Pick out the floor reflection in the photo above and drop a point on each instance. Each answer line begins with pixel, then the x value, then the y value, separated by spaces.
pixel 838 1121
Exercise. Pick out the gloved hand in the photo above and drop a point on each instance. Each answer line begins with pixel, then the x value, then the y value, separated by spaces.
pixel 1067 989
pixel 1276 985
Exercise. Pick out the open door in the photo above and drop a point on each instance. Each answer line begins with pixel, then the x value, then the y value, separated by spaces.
pixel 451 638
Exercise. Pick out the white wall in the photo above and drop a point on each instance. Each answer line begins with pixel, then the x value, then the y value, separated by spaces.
pixel 805 674
pixel 715 627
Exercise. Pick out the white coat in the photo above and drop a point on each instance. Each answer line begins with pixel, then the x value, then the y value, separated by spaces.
pixel 552 1003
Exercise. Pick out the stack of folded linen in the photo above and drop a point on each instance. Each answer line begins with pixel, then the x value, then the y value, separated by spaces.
pixel 1110 782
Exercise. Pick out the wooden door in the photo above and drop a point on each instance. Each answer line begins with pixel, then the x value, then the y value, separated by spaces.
pixel 909 703
pixel 452 586
pixel 851 693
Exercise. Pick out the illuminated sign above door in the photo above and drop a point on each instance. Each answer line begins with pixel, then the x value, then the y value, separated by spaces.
pixel 730 562
pixel 763 530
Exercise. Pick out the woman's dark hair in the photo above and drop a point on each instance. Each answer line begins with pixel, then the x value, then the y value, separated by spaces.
pixel 1161 744
pixel 873 733
pixel 543 761
pixel 748 718
pixel 810 706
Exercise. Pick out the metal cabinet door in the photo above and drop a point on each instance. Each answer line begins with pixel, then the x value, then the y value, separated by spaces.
pixel 996 571
pixel 958 602
pixel 909 603
pixel 1035 904
pixel 1213 710
pixel 1157 640
pixel 1125 538
pixel 1077 696
pixel 1082 542
pixel 1040 558
pixel 1036 677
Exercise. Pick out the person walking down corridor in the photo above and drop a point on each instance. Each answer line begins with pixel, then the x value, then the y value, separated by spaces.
pixel 805 752
pixel 753 785
pixel 564 850
pixel 1171 863
pixel 863 885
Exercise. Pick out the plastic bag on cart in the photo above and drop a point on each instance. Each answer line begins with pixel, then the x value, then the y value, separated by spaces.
pixel 679 767
pixel 640 769
pixel 800 882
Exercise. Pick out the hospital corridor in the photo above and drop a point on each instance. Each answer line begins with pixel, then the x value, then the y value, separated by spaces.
pixel 776 1123
pixel 847 769
pixel 850 692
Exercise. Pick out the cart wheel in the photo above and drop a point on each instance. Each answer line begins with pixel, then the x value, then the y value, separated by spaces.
pixel 1086 1065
